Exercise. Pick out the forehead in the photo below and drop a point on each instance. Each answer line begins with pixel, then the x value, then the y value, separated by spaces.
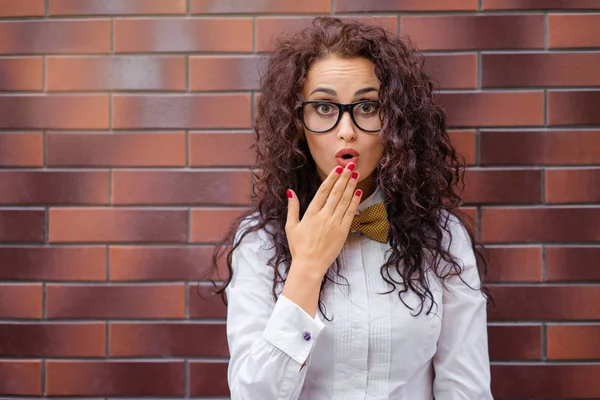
pixel 335 71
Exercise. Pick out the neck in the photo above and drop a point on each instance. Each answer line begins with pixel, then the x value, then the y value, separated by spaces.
pixel 367 186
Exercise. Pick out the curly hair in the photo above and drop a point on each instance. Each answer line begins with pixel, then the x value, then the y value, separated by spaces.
pixel 420 174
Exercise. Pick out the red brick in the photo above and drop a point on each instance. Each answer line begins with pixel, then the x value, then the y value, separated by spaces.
pixel 573 185
pixel 573 107
pixel 514 264
pixel 29 8
pixel 573 381
pixel 573 342
pixel 225 73
pixel 54 112
pixel 572 263
pixel 116 149
pixel 69 74
pixel 53 339
pixel 515 342
pixel 540 147
pixel 551 224
pixel 53 37
pixel 464 143
pixel 211 224
pixel 503 186
pixel 54 187
pixel 24 225
pixel 21 378
pixel 268 28
pixel 469 212
pixel 540 5
pixel 183 35
pixel 116 7
pixel 456 71
pixel 168 340
pixel 163 263
pixel 115 378
pixel 21 149
pixel 404 5
pixel 573 30
pixel 181 111
pixel 21 73
pixel 115 301
pixel 203 304
pixel 22 300
pixel 117 225
pixel 540 69
pixel 471 32
pixel 549 303
pixel 494 108
pixel 221 149
pixel 259 7
pixel 208 378
pixel 181 187
pixel 67 263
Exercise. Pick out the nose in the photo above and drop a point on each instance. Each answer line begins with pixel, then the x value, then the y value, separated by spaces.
pixel 345 128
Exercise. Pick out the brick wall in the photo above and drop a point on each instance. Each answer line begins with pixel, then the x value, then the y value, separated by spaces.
pixel 123 146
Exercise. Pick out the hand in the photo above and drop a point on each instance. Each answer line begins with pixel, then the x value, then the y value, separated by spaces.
pixel 317 240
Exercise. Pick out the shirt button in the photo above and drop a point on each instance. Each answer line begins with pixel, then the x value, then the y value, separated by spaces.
pixel 307 336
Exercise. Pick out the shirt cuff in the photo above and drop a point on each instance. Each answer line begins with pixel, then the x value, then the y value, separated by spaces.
pixel 292 330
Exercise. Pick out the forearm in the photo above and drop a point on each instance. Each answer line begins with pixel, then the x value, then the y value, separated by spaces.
pixel 302 287
pixel 266 358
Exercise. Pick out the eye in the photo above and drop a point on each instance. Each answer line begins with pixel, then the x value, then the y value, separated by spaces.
pixel 325 108
pixel 368 108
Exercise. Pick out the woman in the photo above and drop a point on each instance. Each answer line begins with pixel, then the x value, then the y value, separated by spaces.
pixel 353 276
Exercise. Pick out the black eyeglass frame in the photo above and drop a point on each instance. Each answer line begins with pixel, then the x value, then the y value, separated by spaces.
pixel 342 108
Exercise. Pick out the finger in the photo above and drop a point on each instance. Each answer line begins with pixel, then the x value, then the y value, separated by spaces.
pixel 351 210
pixel 293 213
pixel 342 206
pixel 323 193
pixel 338 189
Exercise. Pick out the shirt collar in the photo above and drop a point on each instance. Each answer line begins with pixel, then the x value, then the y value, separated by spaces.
pixel 376 197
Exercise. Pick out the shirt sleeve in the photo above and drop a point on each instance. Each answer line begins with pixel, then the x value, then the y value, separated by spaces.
pixel 461 363
pixel 269 341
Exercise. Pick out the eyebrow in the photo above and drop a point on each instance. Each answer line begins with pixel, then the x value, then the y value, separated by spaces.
pixel 334 93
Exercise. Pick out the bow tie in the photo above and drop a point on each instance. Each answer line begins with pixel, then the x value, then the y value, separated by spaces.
pixel 373 223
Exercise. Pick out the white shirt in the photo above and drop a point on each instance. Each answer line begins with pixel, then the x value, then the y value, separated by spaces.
pixel 373 348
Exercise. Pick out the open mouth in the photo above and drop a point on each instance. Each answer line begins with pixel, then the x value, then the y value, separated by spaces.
pixel 346 155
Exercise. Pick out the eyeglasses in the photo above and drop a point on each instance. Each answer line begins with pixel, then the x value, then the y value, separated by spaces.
pixel 321 116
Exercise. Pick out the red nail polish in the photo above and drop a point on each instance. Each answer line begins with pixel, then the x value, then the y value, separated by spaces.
pixel 355 175
pixel 358 193
pixel 289 194
pixel 351 166
pixel 339 170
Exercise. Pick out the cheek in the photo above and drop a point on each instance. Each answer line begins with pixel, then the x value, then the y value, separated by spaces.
pixel 371 159
pixel 375 152
pixel 317 146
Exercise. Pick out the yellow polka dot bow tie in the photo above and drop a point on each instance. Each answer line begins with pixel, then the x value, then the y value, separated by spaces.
pixel 373 223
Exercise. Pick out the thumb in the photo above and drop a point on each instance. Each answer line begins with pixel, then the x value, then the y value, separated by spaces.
pixel 293 214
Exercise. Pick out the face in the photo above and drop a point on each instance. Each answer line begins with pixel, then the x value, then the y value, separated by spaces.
pixel 343 81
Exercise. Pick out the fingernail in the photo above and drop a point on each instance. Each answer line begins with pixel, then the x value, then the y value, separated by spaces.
pixel 289 194
pixel 358 193
pixel 351 166
pixel 339 170
pixel 354 175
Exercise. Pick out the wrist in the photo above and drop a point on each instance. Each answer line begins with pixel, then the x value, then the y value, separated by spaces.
pixel 307 271
pixel 302 286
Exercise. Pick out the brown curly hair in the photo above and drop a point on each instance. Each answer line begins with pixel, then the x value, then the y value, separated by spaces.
pixel 420 173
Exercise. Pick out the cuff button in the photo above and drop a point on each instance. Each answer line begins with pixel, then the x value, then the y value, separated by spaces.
pixel 307 336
